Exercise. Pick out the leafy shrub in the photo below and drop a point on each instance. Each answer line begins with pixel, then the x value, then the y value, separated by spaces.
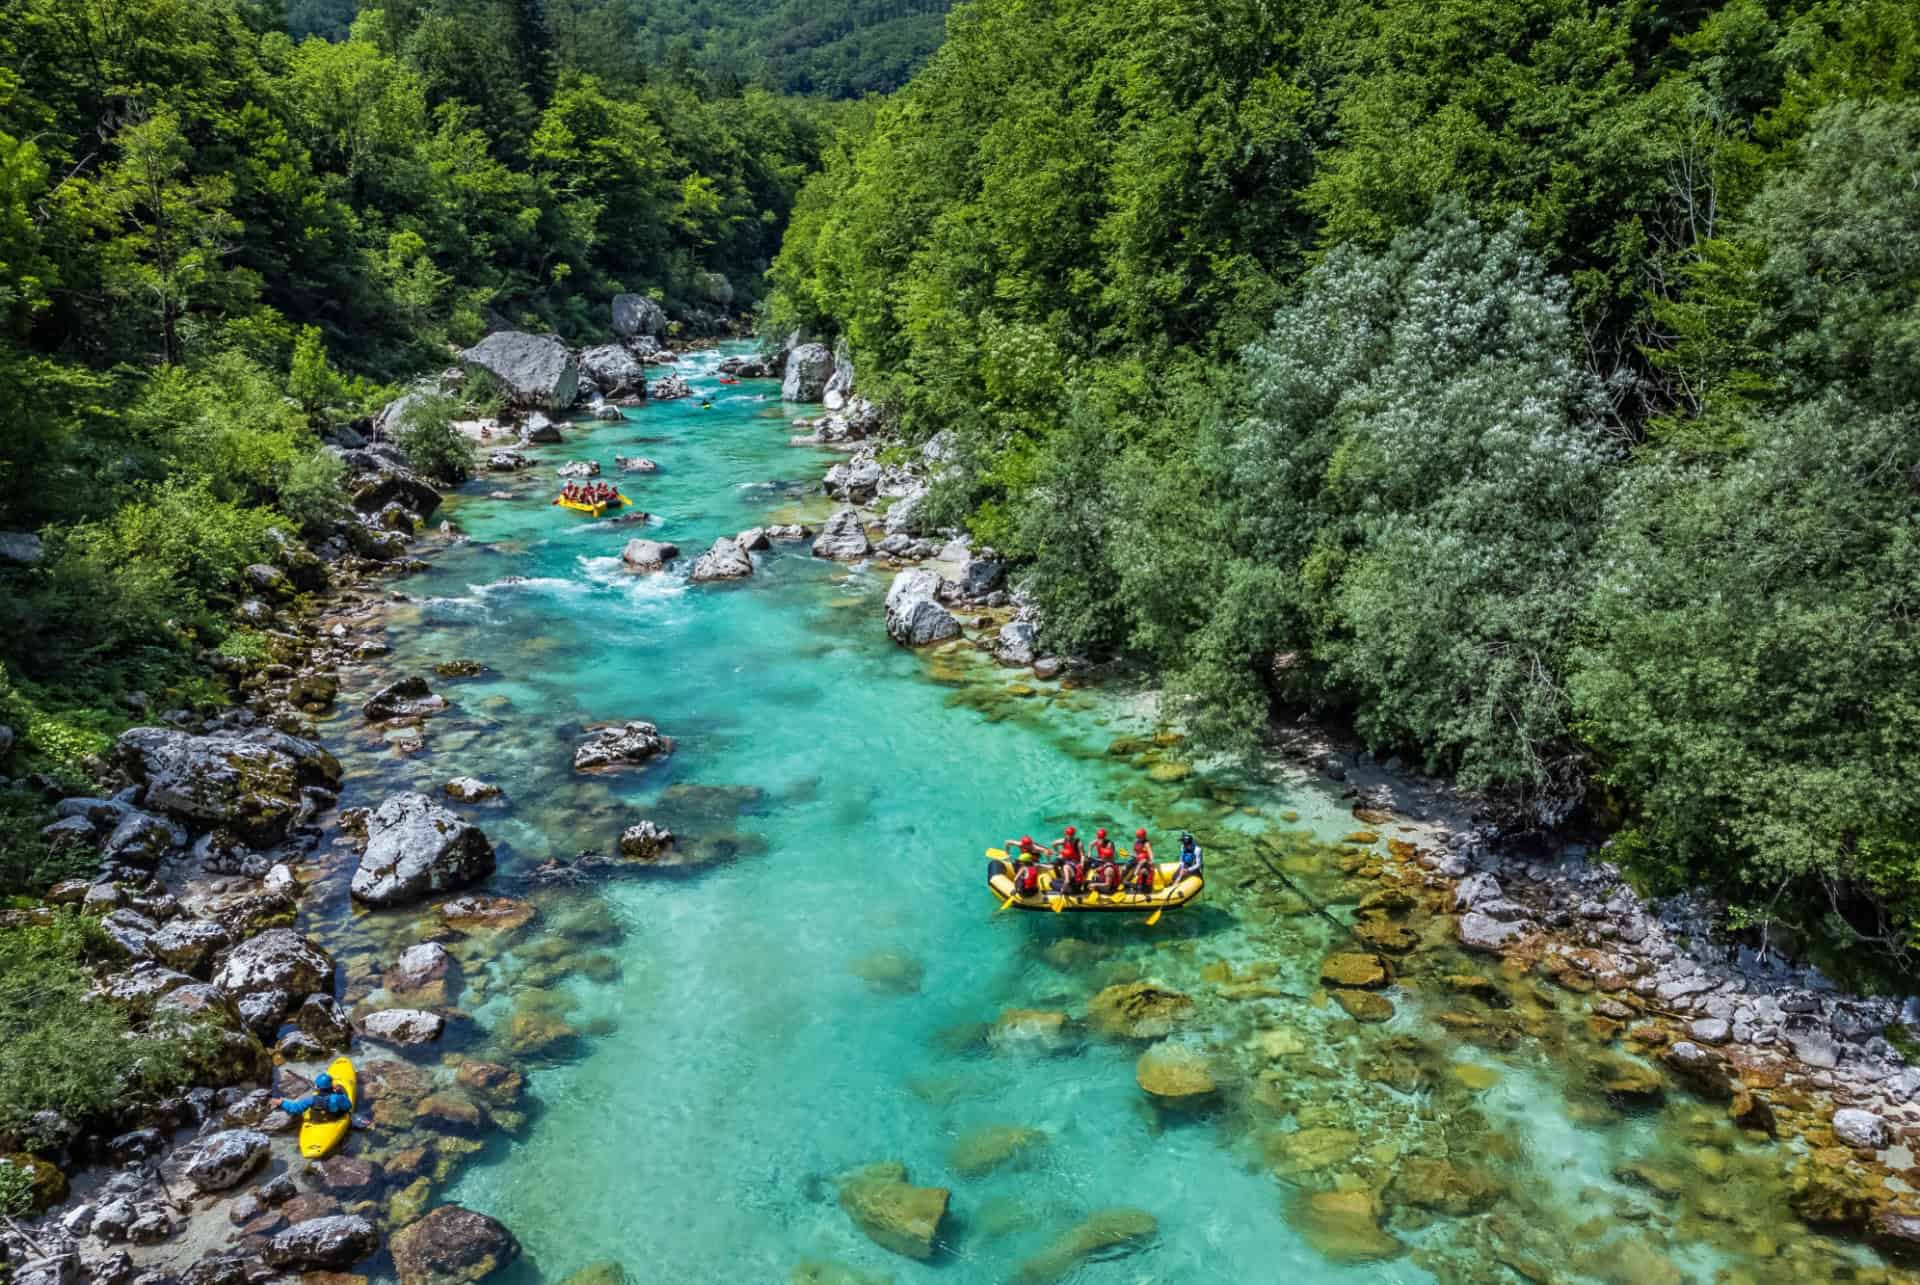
pixel 438 449
pixel 314 492
pixel 59 1049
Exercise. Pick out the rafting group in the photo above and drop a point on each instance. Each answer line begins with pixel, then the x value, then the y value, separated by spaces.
pixel 588 493
pixel 1067 875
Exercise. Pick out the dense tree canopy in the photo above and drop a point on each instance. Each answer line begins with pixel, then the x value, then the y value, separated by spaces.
pixel 1581 420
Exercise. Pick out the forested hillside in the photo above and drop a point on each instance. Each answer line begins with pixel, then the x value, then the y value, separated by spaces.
pixel 1533 383
pixel 839 48
pixel 216 242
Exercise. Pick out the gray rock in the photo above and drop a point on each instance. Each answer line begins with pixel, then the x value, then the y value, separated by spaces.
pixel 140 839
pixel 322 1019
pixel 403 1026
pixel 140 988
pixel 753 539
pixel 506 461
pixel 416 848
pixel 670 387
pixel 1711 1030
pixel 248 782
pixel 1483 932
pixel 1476 890
pixel 1015 643
pixel 151 1226
pixel 726 560
pixel 580 468
pixel 622 745
pixel 648 555
pixel 980 576
pixel 789 533
pixel 225 1159
pixel 1815 1048
pixel 449 1245
pixel 904 517
pixel 843 537
pixel 856 480
pixel 635 315
pixel 331 1242
pixel 537 371
pixel 1856 1128
pixel 538 429
pixel 809 367
pixel 279 965
pixel 914 617
pixel 187 944
pixel 22 548
pixel 635 464
pixel 69 832
pixel 614 369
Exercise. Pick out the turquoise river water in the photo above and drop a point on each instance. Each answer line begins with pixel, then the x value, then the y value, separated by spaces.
pixel 822 1000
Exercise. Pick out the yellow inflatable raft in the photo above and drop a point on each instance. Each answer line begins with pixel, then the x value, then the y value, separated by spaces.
pixel 594 510
pixel 1163 897
pixel 319 1137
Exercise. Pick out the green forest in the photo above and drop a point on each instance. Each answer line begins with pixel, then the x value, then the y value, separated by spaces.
pixel 1532 384
pixel 218 243
pixel 838 48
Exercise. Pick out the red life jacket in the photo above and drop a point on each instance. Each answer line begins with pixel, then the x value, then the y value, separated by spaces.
pixel 1070 849
pixel 1105 850
pixel 1027 877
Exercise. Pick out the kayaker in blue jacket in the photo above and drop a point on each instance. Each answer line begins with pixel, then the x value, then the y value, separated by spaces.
pixel 331 1100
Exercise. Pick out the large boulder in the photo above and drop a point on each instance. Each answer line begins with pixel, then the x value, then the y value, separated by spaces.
pixel 331 1242
pixel 248 783
pixel 378 476
pixel 222 1160
pixel 914 618
pixel 416 848
pixel 279 963
pixel 187 944
pixel 844 537
pixel 726 560
pixel 621 745
pixel 615 370
pixel 892 1212
pixel 669 387
pixel 452 1245
pixel 1015 645
pixel 537 371
pixel 809 367
pixel 905 517
pixel 648 555
pixel 635 315
pixel 856 480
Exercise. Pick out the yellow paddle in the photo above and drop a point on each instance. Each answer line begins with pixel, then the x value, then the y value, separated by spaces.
pixel 999 854
pixel 1172 883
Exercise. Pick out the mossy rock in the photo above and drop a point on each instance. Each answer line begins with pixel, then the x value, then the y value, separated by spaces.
pixel 1309 1150
pixel 46 1185
pixel 1175 1074
pixel 1167 772
pixel 1355 970
pixel 889 972
pixel 1442 1187
pixel 1138 1010
pixel 1364 1006
pixel 818 1273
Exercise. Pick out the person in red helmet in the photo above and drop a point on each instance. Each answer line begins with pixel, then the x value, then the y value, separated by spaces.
pixel 1141 873
pixel 1105 872
pixel 1026 874
pixel 1069 845
pixel 1069 871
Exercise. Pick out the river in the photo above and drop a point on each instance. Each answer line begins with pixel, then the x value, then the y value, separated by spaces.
pixel 731 1042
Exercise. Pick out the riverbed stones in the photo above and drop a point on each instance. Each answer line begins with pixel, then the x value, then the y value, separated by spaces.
pixel 1030 1030
pixel 1138 1010
pixel 187 944
pixel 1853 1127
pixel 1311 1149
pixel 417 848
pixel 403 1026
pixel 723 560
pixel 1104 1235
pixel 628 744
pixel 537 371
pixel 1176 1075
pixel 223 1160
pixel 450 1246
pixel 407 697
pixel 1482 932
pixel 1442 1187
pixel 1364 1006
pixel 893 1213
pixel 648 555
pixel 914 617
pixel 249 783
pixel 843 538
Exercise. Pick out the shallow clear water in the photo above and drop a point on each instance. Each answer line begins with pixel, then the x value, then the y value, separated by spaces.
pixel 736 1063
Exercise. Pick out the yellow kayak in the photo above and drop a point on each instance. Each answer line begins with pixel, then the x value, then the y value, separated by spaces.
pixel 594 510
pixel 1163 897
pixel 320 1137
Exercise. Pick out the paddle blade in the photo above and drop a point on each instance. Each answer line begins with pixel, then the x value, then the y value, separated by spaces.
pixel 1154 918
pixel 1059 904
pixel 996 854
pixel 1005 905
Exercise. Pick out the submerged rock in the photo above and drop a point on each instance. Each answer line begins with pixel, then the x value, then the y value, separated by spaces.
pixel 1355 971
pixel 416 848
pixel 645 841
pixel 984 1149
pixel 889 972
pixel 1174 1074
pixel 1344 1226
pixel 1138 1010
pixel 1106 1234
pixel 452 1245
pixel 1441 1186
pixel 1030 1030
pixel 893 1213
